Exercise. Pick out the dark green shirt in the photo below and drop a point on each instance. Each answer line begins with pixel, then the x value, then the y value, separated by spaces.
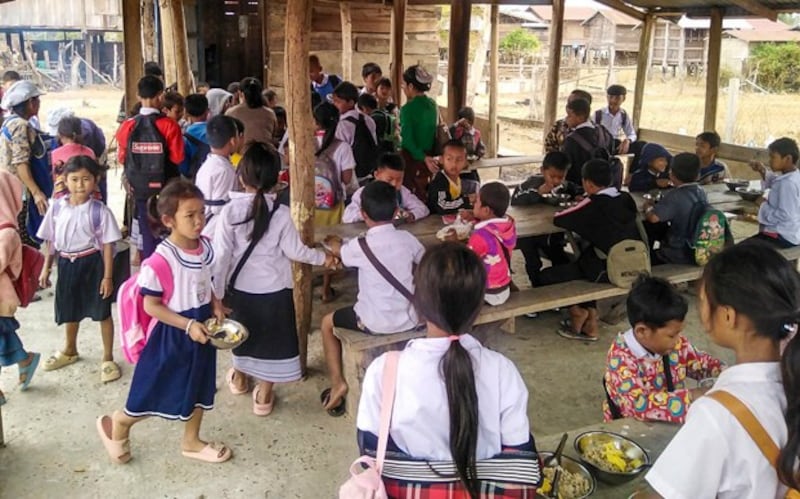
pixel 418 120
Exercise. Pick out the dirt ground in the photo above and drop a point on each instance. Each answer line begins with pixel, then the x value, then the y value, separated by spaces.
pixel 297 452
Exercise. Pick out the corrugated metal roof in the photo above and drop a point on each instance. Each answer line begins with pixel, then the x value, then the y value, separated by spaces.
pixel 545 12
pixel 764 36
pixel 703 7
pixel 729 23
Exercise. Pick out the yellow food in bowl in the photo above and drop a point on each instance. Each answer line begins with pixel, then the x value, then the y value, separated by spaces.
pixel 608 457
pixel 570 485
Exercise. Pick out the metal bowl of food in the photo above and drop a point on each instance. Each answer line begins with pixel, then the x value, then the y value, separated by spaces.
pixel 556 199
pixel 706 382
pixel 576 481
pixel 749 194
pixel 612 458
pixel 654 196
pixel 736 183
pixel 227 334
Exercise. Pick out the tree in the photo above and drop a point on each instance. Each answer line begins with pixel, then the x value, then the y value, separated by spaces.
pixel 778 66
pixel 519 43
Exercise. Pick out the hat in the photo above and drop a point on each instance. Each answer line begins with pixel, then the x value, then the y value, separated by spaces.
pixel 55 116
pixel 419 76
pixel 616 90
pixel 21 91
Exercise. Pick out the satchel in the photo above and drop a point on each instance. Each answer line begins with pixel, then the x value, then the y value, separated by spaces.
pixel 27 283
pixel 442 136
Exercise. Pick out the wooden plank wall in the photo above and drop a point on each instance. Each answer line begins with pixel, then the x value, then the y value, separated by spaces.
pixel 105 15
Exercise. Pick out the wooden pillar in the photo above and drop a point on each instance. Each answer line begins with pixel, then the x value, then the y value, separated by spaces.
pixel 347 41
pixel 149 37
pixel 397 47
pixel 460 17
pixel 665 55
pixel 642 62
pixel 183 65
pixel 554 64
pixel 169 64
pixel 712 74
pixel 302 146
pixel 494 65
pixel 265 52
pixel 132 51
pixel 88 51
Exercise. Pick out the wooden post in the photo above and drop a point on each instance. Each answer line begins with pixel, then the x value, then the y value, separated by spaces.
pixel 612 58
pixel 494 70
pixel 88 57
pixel 347 41
pixel 149 30
pixel 460 16
pixel 183 65
pixel 132 49
pixel 167 43
pixel 712 75
pixel 665 55
pixel 554 65
pixel 115 67
pixel 733 105
pixel 302 146
pixel 479 60
pixel 642 62
pixel 397 47
pixel 650 50
pixel 682 59
pixel 265 52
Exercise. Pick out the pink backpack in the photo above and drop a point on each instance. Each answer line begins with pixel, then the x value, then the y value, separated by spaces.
pixel 135 323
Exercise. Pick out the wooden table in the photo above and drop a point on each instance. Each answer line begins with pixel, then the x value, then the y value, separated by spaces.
pixel 654 437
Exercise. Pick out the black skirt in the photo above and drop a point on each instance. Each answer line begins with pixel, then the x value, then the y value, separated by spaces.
pixel 78 290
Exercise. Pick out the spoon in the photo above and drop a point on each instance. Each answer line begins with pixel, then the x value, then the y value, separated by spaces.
pixel 559 450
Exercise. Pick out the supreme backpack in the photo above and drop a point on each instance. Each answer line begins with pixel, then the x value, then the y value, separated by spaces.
pixel 27 282
pixel 146 159
pixel 365 149
pixel 135 323
pixel 327 180
pixel 201 152
pixel 384 129
pixel 601 149
pixel 709 232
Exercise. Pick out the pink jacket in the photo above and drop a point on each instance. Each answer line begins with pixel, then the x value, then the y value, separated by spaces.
pixel 487 241
pixel 10 244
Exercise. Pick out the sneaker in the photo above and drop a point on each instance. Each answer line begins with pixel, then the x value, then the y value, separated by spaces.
pixel 532 315
pixel 565 331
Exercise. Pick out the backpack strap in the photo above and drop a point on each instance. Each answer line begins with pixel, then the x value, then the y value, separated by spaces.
pixel 383 271
pixel 249 251
pixel 612 407
pixel 582 142
pixel 388 386
pixel 749 422
pixel 598 117
pixel 668 373
pixel 161 268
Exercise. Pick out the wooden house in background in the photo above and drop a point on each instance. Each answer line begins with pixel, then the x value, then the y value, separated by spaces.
pixel 611 36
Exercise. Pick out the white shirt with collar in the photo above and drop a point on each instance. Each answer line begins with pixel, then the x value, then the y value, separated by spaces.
pixel 636 348
pixel 780 212
pixel 712 455
pixel 216 178
pixel 420 423
pixel 146 111
pixel 611 192
pixel 381 308
pixel 346 130
pixel 613 123
pixel 409 202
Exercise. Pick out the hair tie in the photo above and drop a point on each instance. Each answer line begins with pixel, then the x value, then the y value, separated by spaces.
pixel 453 337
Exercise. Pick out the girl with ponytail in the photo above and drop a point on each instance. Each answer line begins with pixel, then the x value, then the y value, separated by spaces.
pixel 749 302
pixel 260 242
pixel 455 400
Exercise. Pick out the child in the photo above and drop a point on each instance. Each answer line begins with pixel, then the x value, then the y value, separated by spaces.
pixel 281 125
pixel 330 148
pixel 203 87
pixel 11 349
pixel 585 140
pixel 550 181
pixel 385 123
pixel 257 283
pixel 604 218
pixel 216 177
pixel 669 221
pixel 175 377
pixel 382 307
pixel 652 170
pixel 384 96
pixel 356 129
pixel 554 141
pixel 80 233
pixel 748 302
pixel 70 137
pixel 616 120
pixel 636 383
pixel 172 106
pixel 779 212
pixel 494 239
pixel 195 139
pixel 321 83
pixel 390 170
pixel 371 73
pixel 465 131
pixel 712 170
pixel 270 98
pixel 452 189
pixel 238 149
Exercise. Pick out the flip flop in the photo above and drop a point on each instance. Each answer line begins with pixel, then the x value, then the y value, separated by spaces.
pixel 337 411
pixel 28 371
pixel 118 450
pixel 262 409
pixel 211 453
pixel 59 360
pixel 565 331
pixel 231 385
pixel 109 371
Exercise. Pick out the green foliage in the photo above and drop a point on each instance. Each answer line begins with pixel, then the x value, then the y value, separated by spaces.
pixel 519 43
pixel 778 66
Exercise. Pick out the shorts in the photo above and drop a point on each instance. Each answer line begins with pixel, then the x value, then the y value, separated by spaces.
pixel 346 318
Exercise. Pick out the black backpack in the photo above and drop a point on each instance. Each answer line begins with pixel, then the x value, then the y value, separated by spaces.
pixel 201 152
pixel 146 160
pixel 601 149
pixel 365 149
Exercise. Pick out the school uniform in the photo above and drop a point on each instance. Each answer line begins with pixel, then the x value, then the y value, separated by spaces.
pixel 380 308
pixel 712 455
pixel 175 374
pixel 77 235
pixel 405 200
pixel 420 422
pixel 713 173
pixel 636 383
pixel 198 131
pixel 447 197
pixel 579 155
pixel 618 124
pixel 342 156
pixel 261 297
pixel 346 130
pixel 779 214
pixel 216 178
pixel 675 208
pixel 59 158
pixel 645 179
pixel 493 241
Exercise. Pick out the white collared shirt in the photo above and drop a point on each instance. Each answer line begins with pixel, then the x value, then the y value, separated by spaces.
pixel 346 130
pixel 636 348
pixel 613 123
pixel 420 423
pixel 216 178
pixel 780 212
pixel 409 202
pixel 73 230
pixel 712 455
pixel 381 308
pixel 611 192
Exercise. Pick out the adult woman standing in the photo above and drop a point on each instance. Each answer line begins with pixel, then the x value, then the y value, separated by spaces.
pixel 259 120
pixel 418 120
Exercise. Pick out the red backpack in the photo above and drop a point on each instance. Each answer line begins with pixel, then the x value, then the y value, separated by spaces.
pixel 27 283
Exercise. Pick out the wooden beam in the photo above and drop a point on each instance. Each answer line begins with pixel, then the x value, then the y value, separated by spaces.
pixel 149 36
pixel 302 146
pixel 183 66
pixel 88 51
pixel 397 48
pixel 712 71
pixel 134 65
pixel 460 18
pixel 554 65
pixel 347 41
pixel 624 8
pixel 757 8
pixel 263 11
pixel 494 70
pixel 167 46
pixel 642 62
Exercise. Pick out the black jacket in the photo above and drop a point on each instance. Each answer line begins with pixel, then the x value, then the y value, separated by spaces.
pixel 440 202
pixel 527 193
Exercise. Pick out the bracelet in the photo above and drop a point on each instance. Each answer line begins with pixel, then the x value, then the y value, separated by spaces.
pixel 189 325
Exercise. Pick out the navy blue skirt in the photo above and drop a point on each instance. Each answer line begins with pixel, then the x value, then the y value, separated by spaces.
pixel 78 290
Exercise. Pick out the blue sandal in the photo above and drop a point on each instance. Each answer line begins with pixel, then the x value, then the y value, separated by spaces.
pixel 28 371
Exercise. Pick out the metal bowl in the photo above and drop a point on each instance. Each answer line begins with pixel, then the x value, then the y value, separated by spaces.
pixel 654 196
pixel 556 199
pixel 749 194
pixel 230 334
pixel 573 466
pixel 735 183
pixel 706 382
pixel 629 448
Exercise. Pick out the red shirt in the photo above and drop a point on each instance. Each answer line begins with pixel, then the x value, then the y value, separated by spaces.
pixel 168 128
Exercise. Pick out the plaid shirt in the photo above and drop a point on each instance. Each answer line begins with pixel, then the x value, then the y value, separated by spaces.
pixel 556 136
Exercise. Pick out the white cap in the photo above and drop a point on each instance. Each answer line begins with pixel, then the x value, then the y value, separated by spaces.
pixel 55 116
pixel 18 93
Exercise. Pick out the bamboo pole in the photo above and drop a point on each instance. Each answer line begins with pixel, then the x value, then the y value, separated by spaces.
pixel 494 63
pixel 183 65
pixel 132 50
pixel 554 65
pixel 301 148
pixel 397 48
pixel 712 74
pixel 168 47
pixel 642 62
pixel 347 41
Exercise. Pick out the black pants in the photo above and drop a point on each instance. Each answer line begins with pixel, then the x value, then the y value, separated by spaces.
pixel 564 273
pixel 550 246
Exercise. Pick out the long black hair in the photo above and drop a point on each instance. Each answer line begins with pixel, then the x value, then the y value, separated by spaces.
pixel 251 89
pixel 450 284
pixel 259 168
pixel 758 283
pixel 327 118
pixel 167 202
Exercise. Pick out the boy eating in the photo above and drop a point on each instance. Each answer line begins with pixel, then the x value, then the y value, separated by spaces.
pixel 652 170
pixel 452 189
pixel 648 364
pixel 390 170
pixel 712 170
pixel 779 212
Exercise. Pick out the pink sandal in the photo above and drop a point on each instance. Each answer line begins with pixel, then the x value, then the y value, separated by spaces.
pixel 118 450
pixel 211 453
pixel 262 409
pixel 232 386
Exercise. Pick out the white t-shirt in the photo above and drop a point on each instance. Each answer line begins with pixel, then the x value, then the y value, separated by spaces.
pixel 216 178
pixel 420 423
pixel 712 455
pixel 74 229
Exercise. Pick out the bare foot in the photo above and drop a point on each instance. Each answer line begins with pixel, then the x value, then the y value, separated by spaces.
pixel 193 446
pixel 336 396
pixel 239 381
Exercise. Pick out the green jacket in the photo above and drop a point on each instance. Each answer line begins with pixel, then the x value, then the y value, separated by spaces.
pixel 418 120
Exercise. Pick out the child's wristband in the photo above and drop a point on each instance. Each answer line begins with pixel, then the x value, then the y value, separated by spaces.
pixel 189 325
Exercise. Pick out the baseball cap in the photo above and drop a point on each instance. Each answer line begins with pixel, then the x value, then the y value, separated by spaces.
pixel 18 93
pixel 55 116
